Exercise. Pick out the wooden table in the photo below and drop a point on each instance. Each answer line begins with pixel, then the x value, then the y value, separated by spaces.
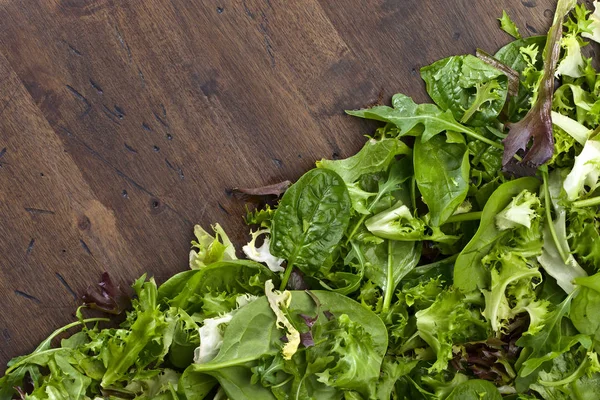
pixel 124 123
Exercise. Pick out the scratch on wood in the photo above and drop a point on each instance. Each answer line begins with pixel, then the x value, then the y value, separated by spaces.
pixel 67 286
pixel 27 296
pixel 30 247
pixel 2 152
pixel 263 27
pixel 96 86
pixel 247 10
pixel 85 247
pixel 110 114
pixel 164 110
pixel 175 168
pixel 129 148
pixel 141 74
pixel 7 103
pixel 146 127
pixel 128 179
pixel 160 120
pixel 72 49
pixel 124 44
pixel 81 98
pixel 65 130
pixel 119 111
pixel 223 208
pixel 38 211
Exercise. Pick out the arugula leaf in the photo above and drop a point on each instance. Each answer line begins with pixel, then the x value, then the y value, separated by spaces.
pixel 469 274
pixel 310 221
pixel 442 175
pixel 426 120
pixel 509 26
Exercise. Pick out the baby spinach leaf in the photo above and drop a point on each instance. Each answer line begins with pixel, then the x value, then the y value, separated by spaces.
pixel 469 273
pixel 195 385
pixel 475 389
pixel 442 175
pixel 584 313
pixel 374 157
pixel 453 83
pixel 311 220
pixel 512 56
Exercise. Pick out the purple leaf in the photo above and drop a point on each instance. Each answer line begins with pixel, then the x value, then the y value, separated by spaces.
pixel 537 124
pixel 106 296
pixel 306 339
pixel 296 281
pixel 309 321
pixel 328 315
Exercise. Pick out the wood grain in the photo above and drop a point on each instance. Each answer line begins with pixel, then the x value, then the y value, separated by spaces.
pixel 124 123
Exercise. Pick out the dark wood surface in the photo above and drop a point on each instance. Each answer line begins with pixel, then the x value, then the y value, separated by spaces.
pixel 123 123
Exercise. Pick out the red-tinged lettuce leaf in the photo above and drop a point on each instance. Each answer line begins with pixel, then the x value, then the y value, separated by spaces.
pixel 106 297
pixel 537 124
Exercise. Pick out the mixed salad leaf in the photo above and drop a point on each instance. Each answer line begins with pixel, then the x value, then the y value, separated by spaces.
pixel 455 257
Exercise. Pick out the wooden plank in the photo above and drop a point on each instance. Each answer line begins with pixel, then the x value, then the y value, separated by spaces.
pixel 142 114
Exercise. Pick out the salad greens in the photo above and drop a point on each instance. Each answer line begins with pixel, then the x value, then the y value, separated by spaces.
pixel 455 257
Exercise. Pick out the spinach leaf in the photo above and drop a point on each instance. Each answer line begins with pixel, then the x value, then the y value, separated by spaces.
pixel 310 221
pixel 584 313
pixel 194 385
pixel 454 83
pixel 442 175
pixel 469 273
pixel 475 389
pixel 374 157
pixel 511 53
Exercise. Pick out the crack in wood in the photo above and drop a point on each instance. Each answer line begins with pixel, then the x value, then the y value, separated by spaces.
pixel 64 282
pixel 146 127
pixel 141 75
pixel 80 97
pixel 223 209
pixel 27 296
